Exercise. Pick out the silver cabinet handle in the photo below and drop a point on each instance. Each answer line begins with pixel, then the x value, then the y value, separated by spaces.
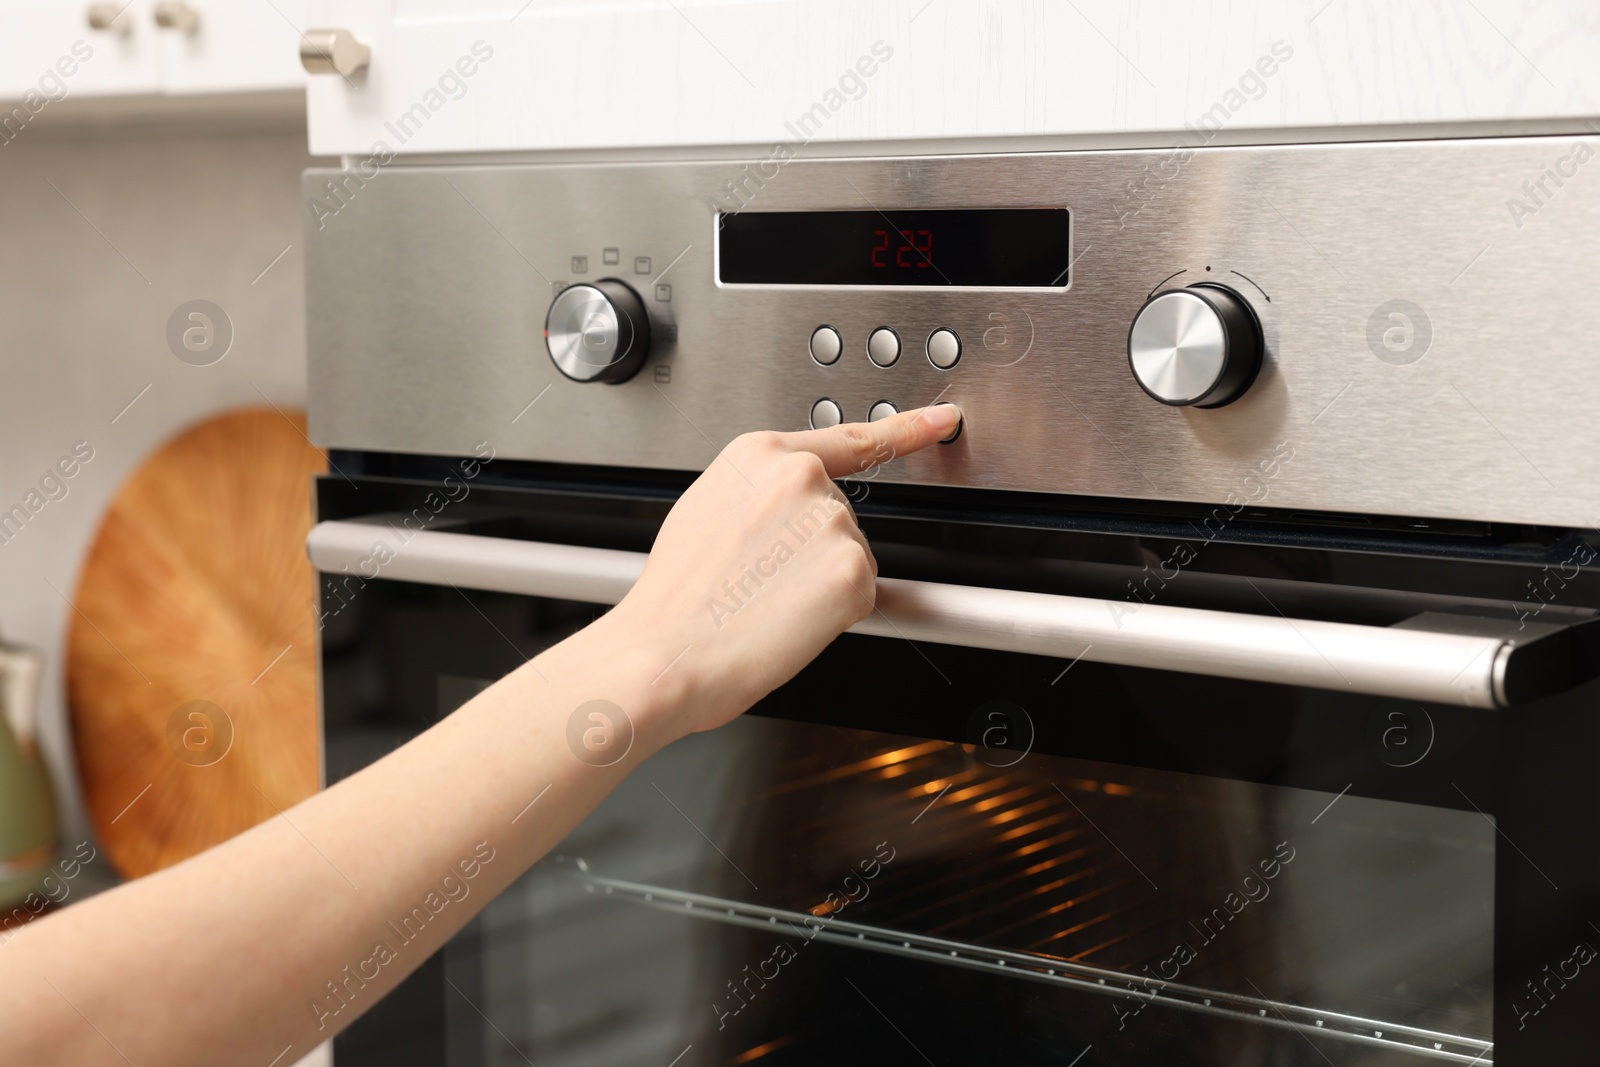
pixel 111 17
pixel 177 15
pixel 332 52
pixel 1439 658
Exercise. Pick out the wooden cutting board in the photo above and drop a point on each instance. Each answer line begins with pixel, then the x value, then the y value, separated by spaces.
pixel 191 661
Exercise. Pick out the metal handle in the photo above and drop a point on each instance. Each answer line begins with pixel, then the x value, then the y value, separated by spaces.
pixel 1447 665
pixel 332 52
pixel 177 15
pixel 112 17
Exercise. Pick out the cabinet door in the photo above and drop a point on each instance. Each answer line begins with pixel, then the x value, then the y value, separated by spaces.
pixel 236 46
pixel 560 74
pixel 49 49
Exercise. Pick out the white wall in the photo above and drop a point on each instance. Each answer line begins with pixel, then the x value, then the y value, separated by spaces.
pixel 168 214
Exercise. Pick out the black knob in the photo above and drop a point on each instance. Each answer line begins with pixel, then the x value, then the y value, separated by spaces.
pixel 597 332
pixel 1200 345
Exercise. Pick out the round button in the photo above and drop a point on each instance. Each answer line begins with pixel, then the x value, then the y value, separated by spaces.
pixel 944 348
pixel 1199 345
pixel 825 413
pixel 597 332
pixel 825 345
pixel 961 423
pixel 881 410
pixel 883 347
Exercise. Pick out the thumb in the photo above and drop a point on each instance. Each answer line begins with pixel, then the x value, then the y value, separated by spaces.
pixel 853 447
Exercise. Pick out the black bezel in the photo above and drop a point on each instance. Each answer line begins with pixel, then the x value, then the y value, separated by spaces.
pixel 633 331
pixel 1237 374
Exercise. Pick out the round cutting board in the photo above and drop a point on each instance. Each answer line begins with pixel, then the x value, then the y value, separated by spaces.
pixel 191 663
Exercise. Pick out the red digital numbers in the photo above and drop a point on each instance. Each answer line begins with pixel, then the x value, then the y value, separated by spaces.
pixel 881 247
pixel 916 251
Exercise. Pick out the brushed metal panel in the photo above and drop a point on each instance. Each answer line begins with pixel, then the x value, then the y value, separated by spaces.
pixel 427 293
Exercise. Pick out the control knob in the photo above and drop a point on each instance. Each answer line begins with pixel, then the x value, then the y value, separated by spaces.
pixel 1200 345
pixel 597 331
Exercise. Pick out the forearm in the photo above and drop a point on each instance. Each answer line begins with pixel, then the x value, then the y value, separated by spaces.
pixel 264 947
pixel 283 935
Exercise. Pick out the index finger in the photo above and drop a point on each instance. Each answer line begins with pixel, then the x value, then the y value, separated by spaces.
pixel 853 447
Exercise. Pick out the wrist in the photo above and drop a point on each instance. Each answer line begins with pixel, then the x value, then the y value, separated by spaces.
pixel 622 659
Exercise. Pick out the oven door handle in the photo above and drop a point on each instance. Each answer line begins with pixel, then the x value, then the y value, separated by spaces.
pixel 1450 660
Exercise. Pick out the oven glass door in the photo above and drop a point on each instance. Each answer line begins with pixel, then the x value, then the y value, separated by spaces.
pixel 928 853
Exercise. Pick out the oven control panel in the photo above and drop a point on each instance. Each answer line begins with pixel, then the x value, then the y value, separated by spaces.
pixel 1352 328
pixel 1200 345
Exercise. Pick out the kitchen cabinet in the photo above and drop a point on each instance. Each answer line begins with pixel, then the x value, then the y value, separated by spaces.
pixel 239 45
pixel 561 74
pixel 61 49
pixel 48 47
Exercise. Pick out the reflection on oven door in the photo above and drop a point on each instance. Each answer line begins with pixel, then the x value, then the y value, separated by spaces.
pixel 788 893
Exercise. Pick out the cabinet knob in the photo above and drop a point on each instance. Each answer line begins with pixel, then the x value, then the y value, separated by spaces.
pixel 110 17
pixel 332 52
pixel 177 15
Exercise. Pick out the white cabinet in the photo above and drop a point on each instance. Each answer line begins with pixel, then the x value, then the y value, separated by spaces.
pixel 60 49
pixel 49 48
pixel 565 74
pixel 239 45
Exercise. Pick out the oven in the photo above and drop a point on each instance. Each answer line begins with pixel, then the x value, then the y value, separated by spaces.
pixel 1229 698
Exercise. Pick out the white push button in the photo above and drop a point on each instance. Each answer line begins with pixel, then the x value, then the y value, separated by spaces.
pixel 825 413
pixel 825 345
pixel 944 348
pixel 883 347
pixel 961 423
pixel 881 410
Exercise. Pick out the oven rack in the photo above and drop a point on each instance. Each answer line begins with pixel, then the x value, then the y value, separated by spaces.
pixel 1449 1048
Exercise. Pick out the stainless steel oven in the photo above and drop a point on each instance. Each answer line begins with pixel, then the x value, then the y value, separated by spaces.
pixel 1230 699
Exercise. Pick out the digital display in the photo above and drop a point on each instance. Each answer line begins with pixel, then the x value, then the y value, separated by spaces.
pixel 1003 247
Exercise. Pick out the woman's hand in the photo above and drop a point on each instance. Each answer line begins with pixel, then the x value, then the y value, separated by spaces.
pixel 761 564
pixel 758 567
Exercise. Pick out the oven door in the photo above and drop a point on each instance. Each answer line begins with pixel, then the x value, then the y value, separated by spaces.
pixel 943 843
